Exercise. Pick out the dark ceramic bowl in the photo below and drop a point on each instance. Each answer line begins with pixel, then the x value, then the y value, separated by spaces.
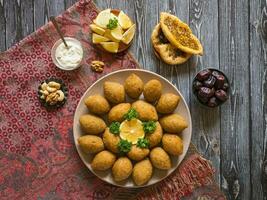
pixel 218 102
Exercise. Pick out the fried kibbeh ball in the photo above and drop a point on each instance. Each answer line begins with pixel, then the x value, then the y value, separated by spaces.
pixel 155 137
pixel 111 141
pixel 97 104
pixel 145 110
pixel 122 169
pixel 172 144
pixel 160 159
pixel 92 124
pixel 114 92
pixel 167 103
pixel 116 114
pixel 173 123
pixel 103 160
pixel 137 153
pixel 134 86
pixel 152 90
pixel 91 143
pixel 142 172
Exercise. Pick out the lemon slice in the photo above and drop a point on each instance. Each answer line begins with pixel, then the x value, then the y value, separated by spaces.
pixel 128 35
pixel 131 130
pixel 110 46
pixel 117 33
pixel 103 18
pixel 108 35
pixel 124 21
pixel 99 38
pixel 97 29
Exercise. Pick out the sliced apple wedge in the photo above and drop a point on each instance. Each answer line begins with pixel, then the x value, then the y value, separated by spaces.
pixel 110 46
pixel 128 35
pixel 124 21
pixel 97 29
pixel 99 38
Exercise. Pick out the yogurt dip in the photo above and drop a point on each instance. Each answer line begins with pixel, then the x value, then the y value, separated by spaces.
pixel 67 58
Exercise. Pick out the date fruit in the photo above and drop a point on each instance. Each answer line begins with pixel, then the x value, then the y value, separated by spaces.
pixel 210 82
pixel 197 85
pixel 220 81
pixel 203 75
pixel 213 102
pixel 221 95
pixel 205 92
pixel 225 86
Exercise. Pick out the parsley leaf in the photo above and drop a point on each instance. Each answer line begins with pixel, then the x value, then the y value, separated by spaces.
pixel 115 128
pixel 124 146
pixel 149 126
pixel 131 114
pixel 142 143
pixel 112 24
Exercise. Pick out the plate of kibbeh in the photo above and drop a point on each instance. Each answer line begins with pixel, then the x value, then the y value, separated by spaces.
pixel 132 128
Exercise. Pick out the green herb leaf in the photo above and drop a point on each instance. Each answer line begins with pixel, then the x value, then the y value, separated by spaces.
pixel 124 146
pixel 149 126
pixel 142 143
pixel 112 24
pixel 131 114
pixel 115 128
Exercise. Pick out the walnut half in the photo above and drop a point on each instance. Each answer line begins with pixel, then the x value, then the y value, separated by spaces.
pixel 97 66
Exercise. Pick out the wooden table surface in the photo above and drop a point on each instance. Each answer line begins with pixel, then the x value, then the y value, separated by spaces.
pixel 234 36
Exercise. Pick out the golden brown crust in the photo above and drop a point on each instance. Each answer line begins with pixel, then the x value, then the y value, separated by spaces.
pixel 137 153
pixel 116 113
pixel 122 169
pixel 111 141
pixel 165 50
pixel 179 34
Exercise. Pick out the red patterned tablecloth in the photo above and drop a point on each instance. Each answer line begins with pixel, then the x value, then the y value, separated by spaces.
pixel 38 159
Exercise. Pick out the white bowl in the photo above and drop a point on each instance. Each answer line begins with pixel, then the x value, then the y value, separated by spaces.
pixel 53 53
pixel 120 76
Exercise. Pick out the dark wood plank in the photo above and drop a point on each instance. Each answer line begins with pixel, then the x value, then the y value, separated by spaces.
pixel 26 15
pixel 258 88
pixel 54 7
pixel 180 73
pixel 235 132
pixel 40 13
pixel 206 122
pixel 2 27
pixel 69 3
pixel 13 24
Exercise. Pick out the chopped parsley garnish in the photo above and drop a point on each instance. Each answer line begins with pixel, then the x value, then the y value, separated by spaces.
pixel 124 146
pixel 142 143
pixel 131 114
pixel 115 128
pixel 149 126
pixel 112 24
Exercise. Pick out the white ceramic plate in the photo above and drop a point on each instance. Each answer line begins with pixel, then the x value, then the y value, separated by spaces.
pixel 120 76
